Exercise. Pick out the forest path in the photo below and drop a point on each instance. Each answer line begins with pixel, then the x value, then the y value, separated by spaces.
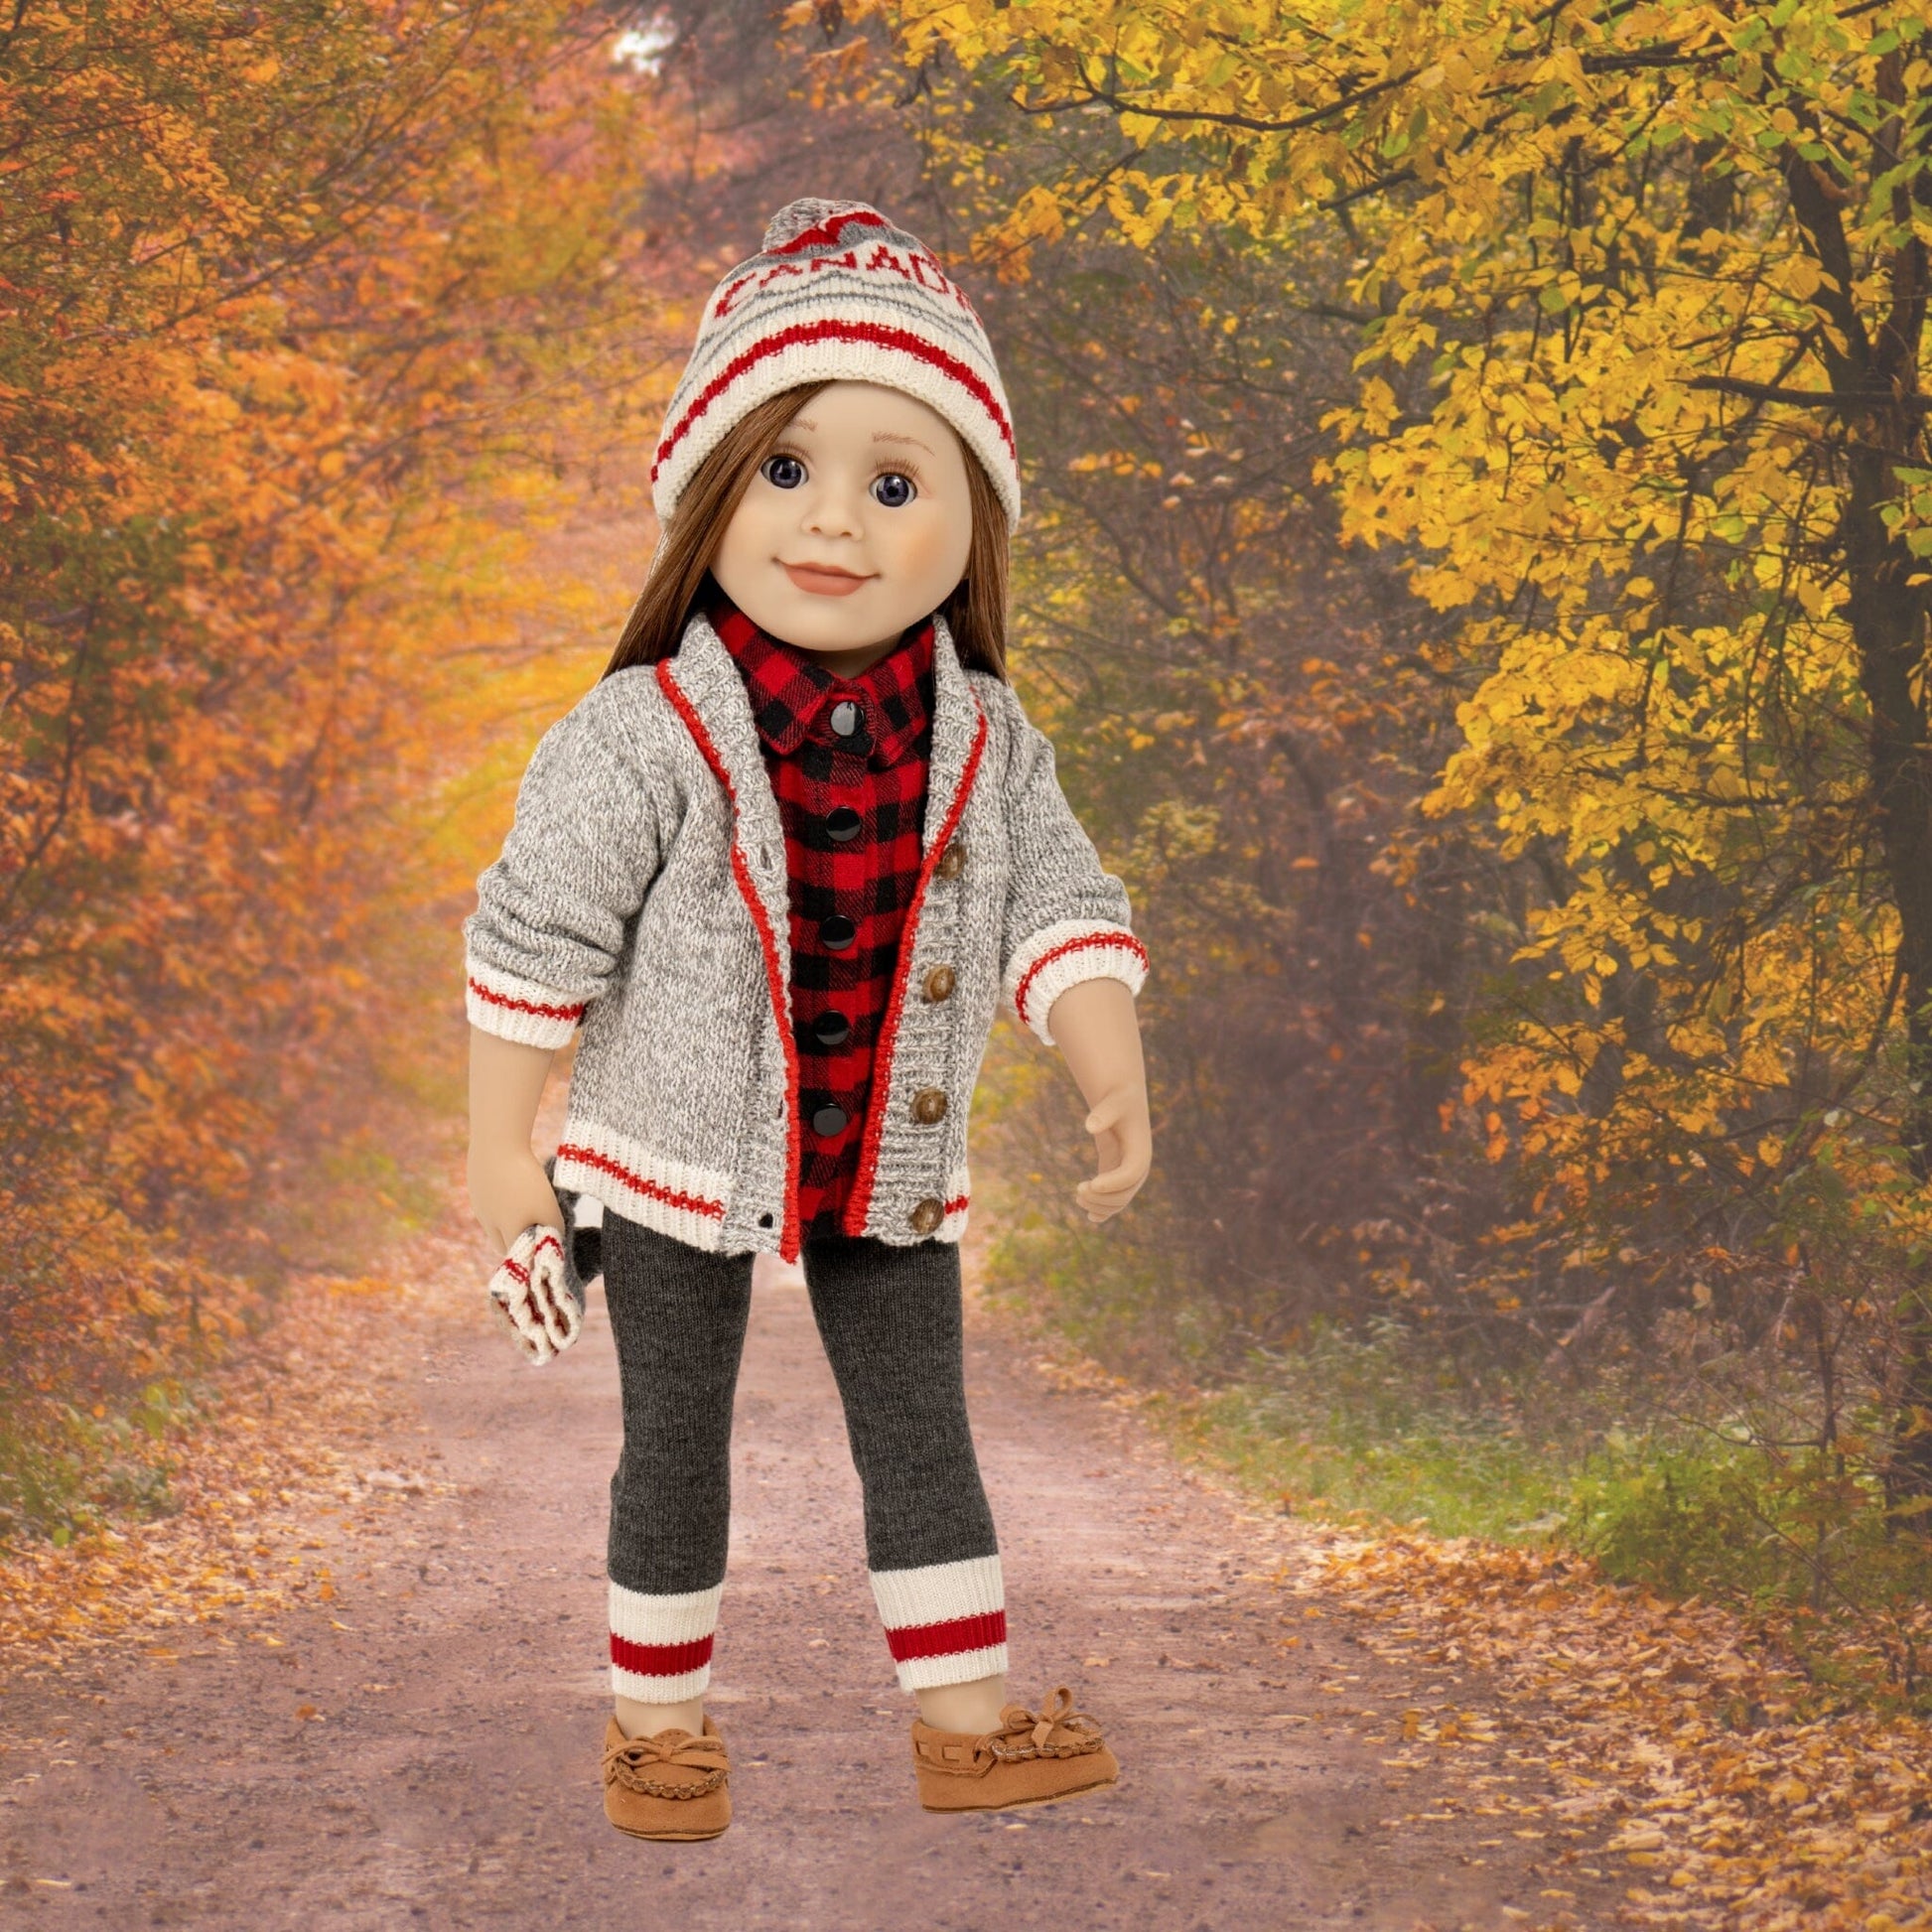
pixel 446 1775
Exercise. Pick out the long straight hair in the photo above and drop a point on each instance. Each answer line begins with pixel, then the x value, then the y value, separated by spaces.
pixel 975 611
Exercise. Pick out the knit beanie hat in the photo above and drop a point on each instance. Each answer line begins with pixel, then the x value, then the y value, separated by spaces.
pixel 836 294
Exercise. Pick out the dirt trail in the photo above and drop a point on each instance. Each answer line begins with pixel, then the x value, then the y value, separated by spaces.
pixel 447 1777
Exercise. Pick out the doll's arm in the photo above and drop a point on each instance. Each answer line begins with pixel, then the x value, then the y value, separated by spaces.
pixel 508 1189
pixel 545 941
pixel 1095 1024
pixel 1071 965
pixel 551 913
pixel 1067 916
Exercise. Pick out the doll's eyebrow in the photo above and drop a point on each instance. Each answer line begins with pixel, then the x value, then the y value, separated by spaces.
pixel 886 436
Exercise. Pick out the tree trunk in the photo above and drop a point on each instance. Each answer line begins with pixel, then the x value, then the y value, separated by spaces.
pixel 1881 419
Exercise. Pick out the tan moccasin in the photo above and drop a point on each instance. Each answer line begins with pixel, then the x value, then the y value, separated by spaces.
pixel 672 1785
pixel 1029 1760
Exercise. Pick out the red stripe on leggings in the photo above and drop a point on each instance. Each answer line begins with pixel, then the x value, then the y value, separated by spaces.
pixel 659 1659
pixel 949 1638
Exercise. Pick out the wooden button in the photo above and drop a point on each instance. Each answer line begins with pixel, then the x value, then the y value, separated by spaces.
pixel 926 1216
pixel 953 861
pixel 929 1106
pixel 939 983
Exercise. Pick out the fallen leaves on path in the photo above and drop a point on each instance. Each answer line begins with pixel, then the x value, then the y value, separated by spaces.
pixel 1662 1728
pixel 1669 1739
pixel 301 1441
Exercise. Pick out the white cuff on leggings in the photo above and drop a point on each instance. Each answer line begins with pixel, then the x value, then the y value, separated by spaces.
pixel 945 1622
pixel 661 1646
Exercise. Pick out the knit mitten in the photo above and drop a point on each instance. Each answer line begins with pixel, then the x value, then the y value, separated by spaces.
pixel 532 1291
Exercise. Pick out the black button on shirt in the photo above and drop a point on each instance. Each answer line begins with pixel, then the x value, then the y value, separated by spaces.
pixel 828 1121
pixel 848 763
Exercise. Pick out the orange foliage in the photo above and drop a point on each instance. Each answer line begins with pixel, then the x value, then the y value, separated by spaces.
pixel 1734 1793
pixel 301 315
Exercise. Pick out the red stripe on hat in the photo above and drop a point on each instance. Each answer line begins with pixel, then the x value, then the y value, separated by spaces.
pixel 947 1639
pixel 659 1659
pixel 833 331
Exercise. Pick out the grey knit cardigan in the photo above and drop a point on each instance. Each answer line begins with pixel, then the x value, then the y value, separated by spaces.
pixel 641 891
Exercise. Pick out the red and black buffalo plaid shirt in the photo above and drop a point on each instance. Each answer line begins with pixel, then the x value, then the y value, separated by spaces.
pixel 852 803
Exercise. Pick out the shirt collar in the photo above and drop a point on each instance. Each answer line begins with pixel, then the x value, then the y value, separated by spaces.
pixel 792 695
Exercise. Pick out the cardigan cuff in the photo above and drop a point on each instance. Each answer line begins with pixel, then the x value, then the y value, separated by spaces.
pixel 531 1013
pixel 1062 955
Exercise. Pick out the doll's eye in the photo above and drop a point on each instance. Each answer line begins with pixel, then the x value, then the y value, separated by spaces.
pixel 893 489
pixel 783 472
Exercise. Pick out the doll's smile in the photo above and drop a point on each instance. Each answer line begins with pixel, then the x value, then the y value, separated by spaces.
pixel 824 580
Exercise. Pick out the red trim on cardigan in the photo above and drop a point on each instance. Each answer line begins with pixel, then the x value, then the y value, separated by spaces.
pixel 818 332
pixel 659 1659
pixel 643 1183
pixel 1112 937
pixel 958 1206
pixel 948 1639
pixel 859 1204
pixel 527 1006
pixel 774 978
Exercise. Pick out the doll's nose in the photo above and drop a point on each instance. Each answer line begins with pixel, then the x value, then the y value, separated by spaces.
pixel 833 513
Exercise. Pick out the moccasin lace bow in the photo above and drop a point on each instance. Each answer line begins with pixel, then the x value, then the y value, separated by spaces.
pixel 633 1762
pixel 1058 1730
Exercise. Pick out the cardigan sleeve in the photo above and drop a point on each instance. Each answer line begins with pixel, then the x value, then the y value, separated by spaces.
pixel 552 912
pixel 1067 916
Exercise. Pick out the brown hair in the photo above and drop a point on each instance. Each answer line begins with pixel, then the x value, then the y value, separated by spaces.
pixel 975 611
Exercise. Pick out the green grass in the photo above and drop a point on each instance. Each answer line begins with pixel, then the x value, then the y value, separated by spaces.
pixel 1636 1467
pixel 77 1471
pixel 1344 1426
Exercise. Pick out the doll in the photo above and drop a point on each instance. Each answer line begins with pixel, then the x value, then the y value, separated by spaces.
pixel 780 863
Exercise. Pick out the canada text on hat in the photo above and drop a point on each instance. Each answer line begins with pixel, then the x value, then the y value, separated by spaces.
pixel 836 294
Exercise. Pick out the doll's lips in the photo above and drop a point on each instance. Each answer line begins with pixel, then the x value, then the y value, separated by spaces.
pixel 824 580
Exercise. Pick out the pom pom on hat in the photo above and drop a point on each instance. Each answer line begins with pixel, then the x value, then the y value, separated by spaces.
pixel 836 294
pixel 796 217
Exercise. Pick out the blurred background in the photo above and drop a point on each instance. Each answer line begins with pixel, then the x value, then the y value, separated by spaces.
pixel 1475 490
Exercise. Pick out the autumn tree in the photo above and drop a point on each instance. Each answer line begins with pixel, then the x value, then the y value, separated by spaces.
pixel 1641 299
pixel 303 312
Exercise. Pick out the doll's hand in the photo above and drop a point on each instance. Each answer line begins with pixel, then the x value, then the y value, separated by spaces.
pixel 1122 1143
pixel 509 1192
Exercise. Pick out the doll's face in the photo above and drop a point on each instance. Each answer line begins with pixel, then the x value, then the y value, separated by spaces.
pixel 857 525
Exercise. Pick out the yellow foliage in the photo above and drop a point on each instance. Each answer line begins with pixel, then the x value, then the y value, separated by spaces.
pixel 1639 394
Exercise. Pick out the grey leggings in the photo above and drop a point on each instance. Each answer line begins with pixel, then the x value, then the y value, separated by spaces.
pixel 889 1320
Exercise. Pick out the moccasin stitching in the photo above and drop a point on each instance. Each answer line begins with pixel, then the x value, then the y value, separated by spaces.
pixel 624 1763
pixel 1058 1730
